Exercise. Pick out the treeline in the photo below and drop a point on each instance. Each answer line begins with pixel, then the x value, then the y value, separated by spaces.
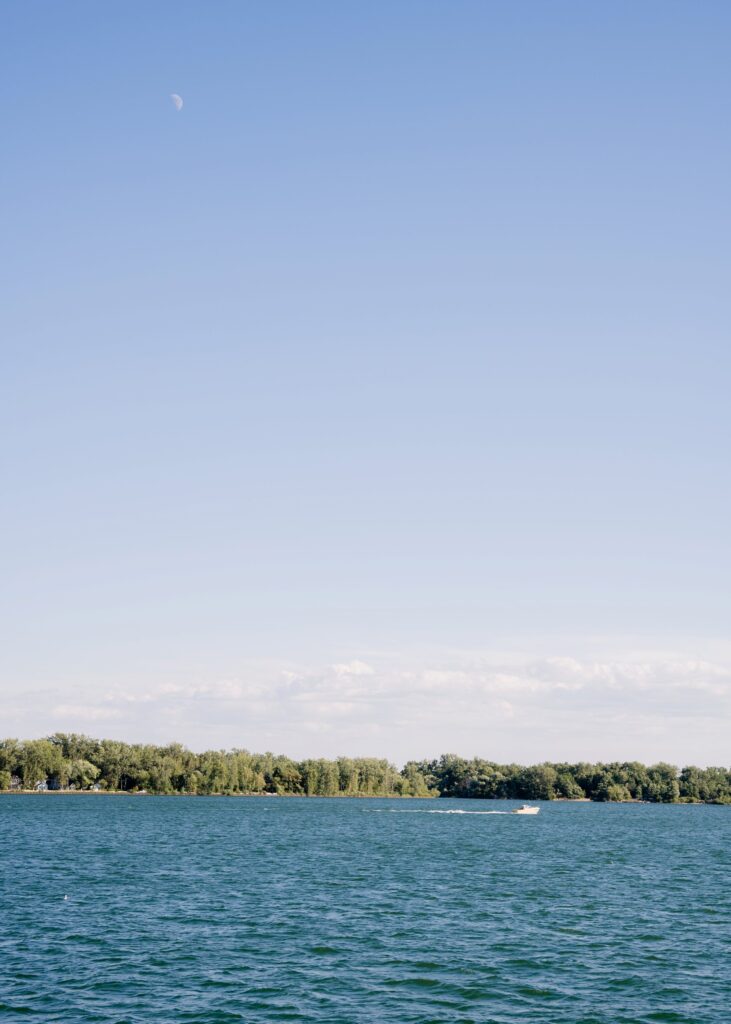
pixel 628 780
pixel 69 761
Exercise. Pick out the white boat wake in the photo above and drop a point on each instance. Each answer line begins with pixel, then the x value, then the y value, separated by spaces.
pixel 396 810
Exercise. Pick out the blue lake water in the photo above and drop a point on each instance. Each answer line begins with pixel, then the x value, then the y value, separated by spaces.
pixel 345 911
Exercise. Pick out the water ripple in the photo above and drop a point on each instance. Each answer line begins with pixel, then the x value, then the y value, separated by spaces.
pixel 215 910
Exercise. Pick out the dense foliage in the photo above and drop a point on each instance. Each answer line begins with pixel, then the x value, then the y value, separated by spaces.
pixel 660 783
pixel 68 761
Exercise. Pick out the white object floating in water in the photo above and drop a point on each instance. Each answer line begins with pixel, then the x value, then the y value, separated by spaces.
pixel 65 897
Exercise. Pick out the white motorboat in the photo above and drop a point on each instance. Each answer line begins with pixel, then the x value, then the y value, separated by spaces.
pixel 526 809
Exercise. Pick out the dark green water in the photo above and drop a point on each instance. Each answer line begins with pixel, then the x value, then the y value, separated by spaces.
pixel 345 911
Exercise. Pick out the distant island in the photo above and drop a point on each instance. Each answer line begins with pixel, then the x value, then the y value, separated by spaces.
pixel 72 763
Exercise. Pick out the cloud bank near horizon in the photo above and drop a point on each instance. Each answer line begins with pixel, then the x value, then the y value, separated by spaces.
pixel 513 708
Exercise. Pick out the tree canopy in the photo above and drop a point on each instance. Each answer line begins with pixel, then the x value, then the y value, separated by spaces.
pixel 71 761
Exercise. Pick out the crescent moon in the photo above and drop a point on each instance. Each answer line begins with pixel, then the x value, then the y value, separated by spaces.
pixel 177 100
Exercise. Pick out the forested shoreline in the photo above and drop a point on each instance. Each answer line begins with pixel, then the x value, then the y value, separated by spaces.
pixel 70 762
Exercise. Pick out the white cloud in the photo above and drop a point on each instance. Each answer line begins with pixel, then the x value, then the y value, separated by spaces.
pixel 507 708
pixel 353 668
pixel 85 713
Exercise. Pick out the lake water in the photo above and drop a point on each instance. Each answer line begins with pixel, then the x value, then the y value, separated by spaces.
pixel 171 909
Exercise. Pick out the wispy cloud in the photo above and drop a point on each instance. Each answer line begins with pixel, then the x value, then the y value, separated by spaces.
pixel 518 708
pixel 353 668
pixel 86 712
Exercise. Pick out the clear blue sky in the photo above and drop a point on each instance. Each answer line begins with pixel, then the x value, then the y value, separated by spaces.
pixel 400 354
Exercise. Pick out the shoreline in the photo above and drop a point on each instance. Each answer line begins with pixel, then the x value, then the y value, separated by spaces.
pixel 83 763
pixel 357 796
pixel 283 796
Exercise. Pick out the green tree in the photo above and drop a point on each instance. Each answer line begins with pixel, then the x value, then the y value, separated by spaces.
pixel 663 785
pixel 39 761
pixel 81 773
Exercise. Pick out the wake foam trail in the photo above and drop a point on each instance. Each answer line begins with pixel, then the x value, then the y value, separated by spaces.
pixel 394 810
